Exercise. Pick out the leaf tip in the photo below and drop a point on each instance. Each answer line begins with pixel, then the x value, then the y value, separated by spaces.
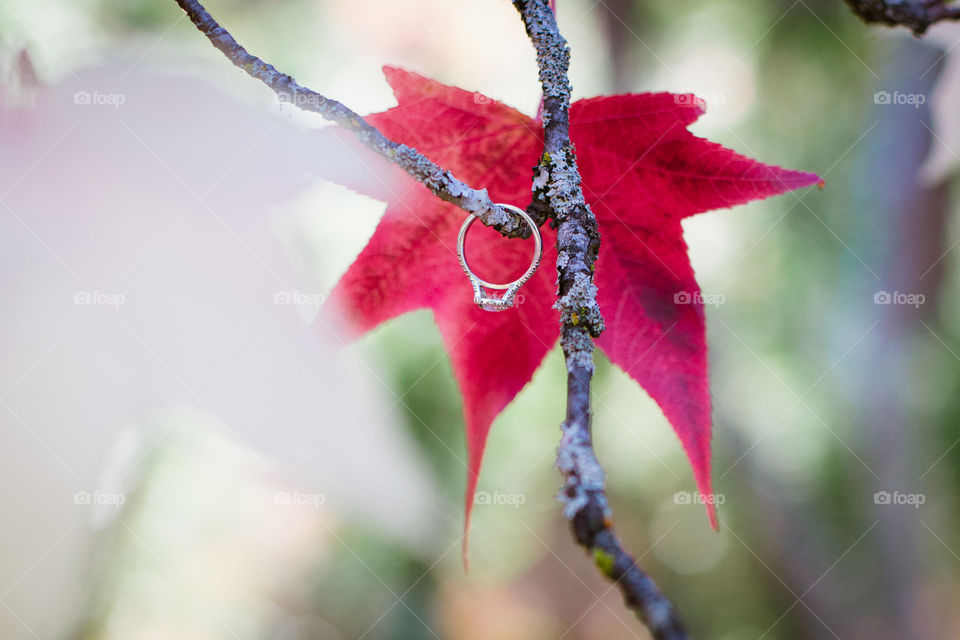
pixel 467 515
pixel 709 499
pixel 712 515
pixel 696 105
pixel 700 460
pixel 465 549
pixel 391 71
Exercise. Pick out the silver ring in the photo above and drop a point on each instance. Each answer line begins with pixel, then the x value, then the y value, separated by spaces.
pixel 479 297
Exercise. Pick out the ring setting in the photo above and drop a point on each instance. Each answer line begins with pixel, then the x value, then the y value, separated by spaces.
pixel 484 300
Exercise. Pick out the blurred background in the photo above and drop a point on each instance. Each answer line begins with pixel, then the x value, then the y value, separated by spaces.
pixel 185 455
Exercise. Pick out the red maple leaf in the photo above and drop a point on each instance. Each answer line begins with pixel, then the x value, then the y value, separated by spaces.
pixel 643 172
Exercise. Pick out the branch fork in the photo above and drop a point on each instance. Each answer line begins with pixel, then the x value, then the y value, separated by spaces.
pixel 556 194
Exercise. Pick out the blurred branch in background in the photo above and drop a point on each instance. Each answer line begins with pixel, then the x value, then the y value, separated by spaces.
pixel 617 17
pixel 899 222
pixel 908 216
pixel 916 15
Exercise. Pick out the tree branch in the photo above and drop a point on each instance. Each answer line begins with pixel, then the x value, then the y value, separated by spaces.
pixel 557 188
pixel 916 15
pixel 556 194
pixel 439 181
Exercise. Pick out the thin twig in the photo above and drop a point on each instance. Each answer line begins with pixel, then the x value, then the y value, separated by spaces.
pixel 557 187
pixel 916 15
pixel 439 181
